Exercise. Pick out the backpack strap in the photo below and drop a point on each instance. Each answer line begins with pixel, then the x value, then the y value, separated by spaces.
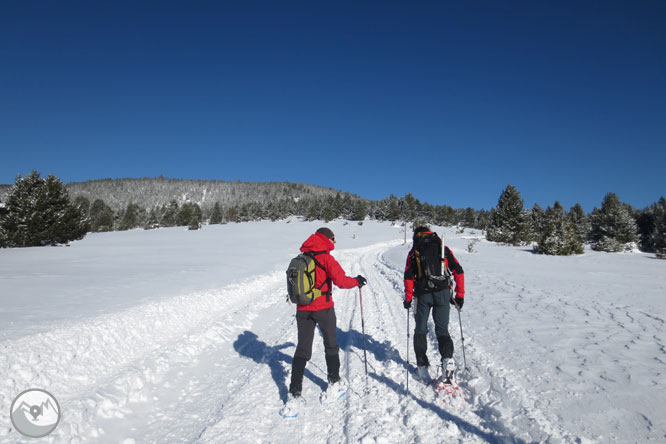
pixel 328 282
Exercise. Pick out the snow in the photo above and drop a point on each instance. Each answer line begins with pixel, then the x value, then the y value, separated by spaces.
pixel 176 336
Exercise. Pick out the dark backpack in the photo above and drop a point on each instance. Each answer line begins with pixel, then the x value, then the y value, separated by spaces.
pixel 302 278
pixel 427 263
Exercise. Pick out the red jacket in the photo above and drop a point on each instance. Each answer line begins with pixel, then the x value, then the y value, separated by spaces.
pixel 449 261
pixel 333 271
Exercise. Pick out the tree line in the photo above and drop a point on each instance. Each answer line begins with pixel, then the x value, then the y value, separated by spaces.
pixel 38 211
pixel 614 227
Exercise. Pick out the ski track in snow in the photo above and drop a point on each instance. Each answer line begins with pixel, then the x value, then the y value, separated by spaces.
pixel 214 366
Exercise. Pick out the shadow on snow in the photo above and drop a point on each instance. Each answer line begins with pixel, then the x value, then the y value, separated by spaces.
pixel 248 345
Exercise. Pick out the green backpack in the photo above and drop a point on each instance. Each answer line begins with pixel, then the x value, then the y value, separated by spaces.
pixel 302 278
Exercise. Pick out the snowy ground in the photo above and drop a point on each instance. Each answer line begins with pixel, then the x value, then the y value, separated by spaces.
pixel 185 337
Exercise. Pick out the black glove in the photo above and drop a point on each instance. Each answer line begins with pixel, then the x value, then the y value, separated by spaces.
pixel 361 281
pixel 457 301
pixel 407 304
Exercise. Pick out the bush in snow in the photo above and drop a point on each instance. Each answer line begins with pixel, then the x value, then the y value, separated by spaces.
pixel 613 226
pixel 39 212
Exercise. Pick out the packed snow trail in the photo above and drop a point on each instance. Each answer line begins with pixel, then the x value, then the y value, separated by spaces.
pixel 213 366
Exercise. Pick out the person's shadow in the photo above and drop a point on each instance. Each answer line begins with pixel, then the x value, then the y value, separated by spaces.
pixel 248 344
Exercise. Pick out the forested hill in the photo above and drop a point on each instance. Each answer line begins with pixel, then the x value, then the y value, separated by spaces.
pixel 156 192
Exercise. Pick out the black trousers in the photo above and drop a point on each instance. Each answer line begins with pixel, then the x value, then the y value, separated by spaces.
pixel 306 322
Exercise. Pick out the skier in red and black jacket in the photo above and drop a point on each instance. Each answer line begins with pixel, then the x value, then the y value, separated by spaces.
pixel 426 278
pixel 321 311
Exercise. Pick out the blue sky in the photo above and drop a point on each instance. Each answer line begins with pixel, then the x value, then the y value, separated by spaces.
pixel 449 101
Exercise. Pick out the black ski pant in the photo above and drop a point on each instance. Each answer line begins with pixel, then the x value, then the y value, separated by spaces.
pixel 306 321
pixel 438 302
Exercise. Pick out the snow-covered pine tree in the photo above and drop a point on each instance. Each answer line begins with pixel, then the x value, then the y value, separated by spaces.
pixel 660 238
pixel 612 227
pixel 132 217
pixel 393 210
pixel 187 212
pixel 3 234
pixel 647 223
pixel 82 203
pixel 216 216
pixel 537 222
pixel 101 216
pixel 469 219
pixel 328 211
pixel 507 220
pixel 153 219
pixel 39 212
pixel 169 215
pixel 195 222
pixel 580 221
pixel 360 211
pixel 558 235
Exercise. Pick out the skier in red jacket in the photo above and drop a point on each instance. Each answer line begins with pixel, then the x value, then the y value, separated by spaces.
pixel 427 262
pixel 321 312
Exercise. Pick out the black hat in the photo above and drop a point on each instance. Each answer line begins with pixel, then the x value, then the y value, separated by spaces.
pixel 326 232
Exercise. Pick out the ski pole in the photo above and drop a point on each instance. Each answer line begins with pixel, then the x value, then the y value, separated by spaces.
pixel 407 370
pixel 365 357
pixel 462 338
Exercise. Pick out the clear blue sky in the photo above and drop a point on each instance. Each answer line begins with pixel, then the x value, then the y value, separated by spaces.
pixel 450 101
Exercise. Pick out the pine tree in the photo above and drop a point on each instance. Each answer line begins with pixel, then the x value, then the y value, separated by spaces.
pixel 4 240
pixel 409 208
pixel 660 238
pixel 153 220
pixel 39 212
pixel 360 211
pixel 507 221
pixel 101 216
pixel 131 217
pixel 580 221
pixel 537 222
pixel 328 212
pixel 558 235
pixel 170 214
pixel 469 219
pixel 647 223
pixel 393 210
pixel 216 216
pixel 187 213
pixel 195 223
pixel 82 203
pixel 612 227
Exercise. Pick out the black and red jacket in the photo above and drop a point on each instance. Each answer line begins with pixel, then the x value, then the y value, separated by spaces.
pixel 331 272
pixel 449 262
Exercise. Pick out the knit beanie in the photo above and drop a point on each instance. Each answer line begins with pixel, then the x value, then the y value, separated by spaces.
pixel 326 232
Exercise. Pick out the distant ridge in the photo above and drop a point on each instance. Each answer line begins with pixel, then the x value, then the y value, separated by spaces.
pixel 151 192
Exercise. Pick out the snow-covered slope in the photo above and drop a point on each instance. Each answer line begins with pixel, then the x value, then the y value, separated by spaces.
pixel 176 336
